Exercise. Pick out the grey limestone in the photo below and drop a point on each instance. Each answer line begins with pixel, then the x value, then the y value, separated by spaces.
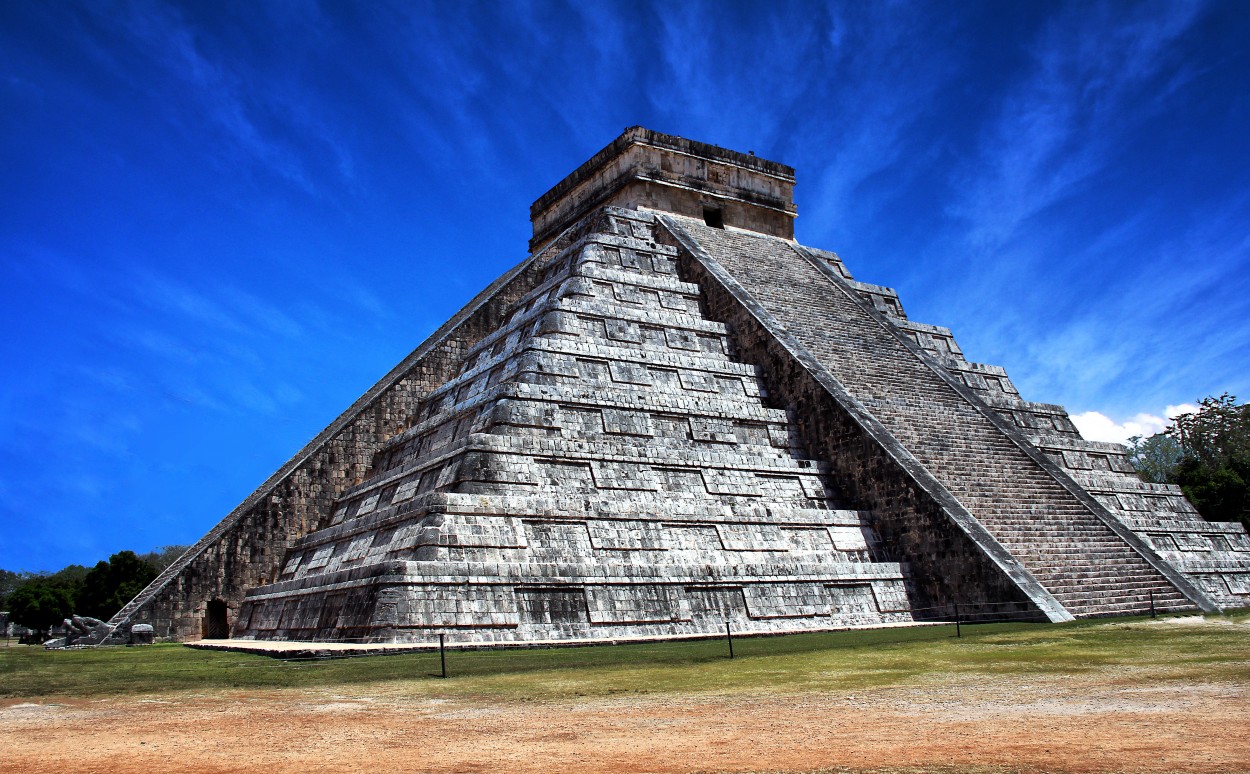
pixel 601 467
pixel 671 416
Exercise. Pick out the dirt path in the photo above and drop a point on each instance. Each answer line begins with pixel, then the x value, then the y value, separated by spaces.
pixel 1013 725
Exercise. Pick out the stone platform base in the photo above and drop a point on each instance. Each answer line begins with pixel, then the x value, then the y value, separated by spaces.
pixel 294 649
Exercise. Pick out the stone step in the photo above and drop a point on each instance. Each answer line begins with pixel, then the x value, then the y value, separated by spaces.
pixel 1030 512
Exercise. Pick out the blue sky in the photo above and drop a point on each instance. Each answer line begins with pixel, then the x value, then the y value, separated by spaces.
pixel 222 222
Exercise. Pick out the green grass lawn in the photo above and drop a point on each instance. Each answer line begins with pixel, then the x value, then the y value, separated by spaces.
pixel 841 661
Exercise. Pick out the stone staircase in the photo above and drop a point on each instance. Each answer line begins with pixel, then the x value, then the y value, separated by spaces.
pixel 1071 551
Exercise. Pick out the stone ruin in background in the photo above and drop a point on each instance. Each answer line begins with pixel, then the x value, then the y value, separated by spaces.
pixel 82 631
pixel 671 415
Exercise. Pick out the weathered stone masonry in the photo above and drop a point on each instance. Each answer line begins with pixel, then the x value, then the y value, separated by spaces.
pixel 672 415
pixel 602 467
pixel 246 548
pixel 948 565
pixel 1070 549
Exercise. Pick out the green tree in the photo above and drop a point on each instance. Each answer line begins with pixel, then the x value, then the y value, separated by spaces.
pixel 162 557
pixel 41 603
pixel 9 581
pixel 1216 434
pixel 110 585
pixel 1219 494
pixel 1156 458
pixel 71 576
pixel 1215 470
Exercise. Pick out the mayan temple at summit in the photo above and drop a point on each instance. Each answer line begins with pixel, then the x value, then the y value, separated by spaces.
pixel 671 415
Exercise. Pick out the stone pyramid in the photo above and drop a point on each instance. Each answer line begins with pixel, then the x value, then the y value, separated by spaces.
pixel 672 415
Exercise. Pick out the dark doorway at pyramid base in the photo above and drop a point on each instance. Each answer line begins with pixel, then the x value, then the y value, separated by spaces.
pixel 216 621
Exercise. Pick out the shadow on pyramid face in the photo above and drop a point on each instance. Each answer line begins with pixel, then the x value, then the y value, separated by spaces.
pixel 671 416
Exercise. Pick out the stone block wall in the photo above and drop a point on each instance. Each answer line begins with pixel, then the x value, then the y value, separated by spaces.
pixel 245 549
pixel 642 168
pixel 945 565
pixel 962 422
pixel 600 467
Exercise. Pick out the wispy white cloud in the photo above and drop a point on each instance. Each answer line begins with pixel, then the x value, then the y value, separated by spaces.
pixel 1091 294
pixel 222 307
pixel 1172 323
pixel 888 85
pixel 1091 80
pixel 353 146
pixel 1096 426
pixel 268 118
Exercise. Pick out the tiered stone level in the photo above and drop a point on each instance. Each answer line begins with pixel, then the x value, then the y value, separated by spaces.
pixel 1215 556
pixel 600 468
pixel 1070 548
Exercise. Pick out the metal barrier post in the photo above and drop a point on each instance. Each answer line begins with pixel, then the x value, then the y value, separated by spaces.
pixel 1152 603
pixel 958 631
pixel 442 654
pixel 729 635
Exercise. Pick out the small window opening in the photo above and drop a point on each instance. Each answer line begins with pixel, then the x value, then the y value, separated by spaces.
pixel 714 217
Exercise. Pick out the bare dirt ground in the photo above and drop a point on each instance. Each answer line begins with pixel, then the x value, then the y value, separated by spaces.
pixel 1077 724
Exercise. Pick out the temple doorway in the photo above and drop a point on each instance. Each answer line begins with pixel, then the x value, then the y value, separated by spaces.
pixel 216 622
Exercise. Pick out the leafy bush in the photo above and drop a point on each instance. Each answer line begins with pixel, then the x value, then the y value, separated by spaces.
pixel 41 603
pixel 1207 453
pixel 110 585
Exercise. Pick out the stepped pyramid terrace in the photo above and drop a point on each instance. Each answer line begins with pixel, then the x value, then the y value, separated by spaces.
pixel 670 416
